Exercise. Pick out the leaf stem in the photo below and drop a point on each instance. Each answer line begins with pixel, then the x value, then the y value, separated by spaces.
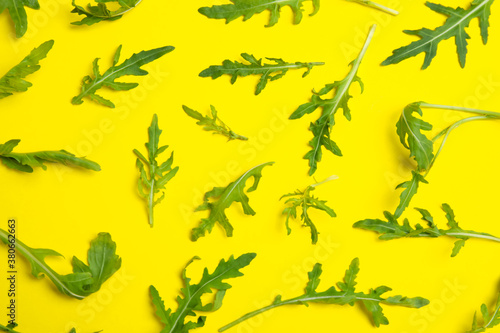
pixel 459 108
pixel 473 235
pixel 376 6
pixel 325 181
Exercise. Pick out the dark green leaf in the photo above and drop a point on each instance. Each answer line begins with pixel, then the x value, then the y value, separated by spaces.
pixel 256 67
pixel 224 197
pixel 131 66
pixel 18 13
pixel 190 301
pixel 248 8
pixel 458 19
pixel 489 320
pixel 13 80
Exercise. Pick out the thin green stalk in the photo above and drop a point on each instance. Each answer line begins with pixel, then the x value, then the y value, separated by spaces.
pixel 376 6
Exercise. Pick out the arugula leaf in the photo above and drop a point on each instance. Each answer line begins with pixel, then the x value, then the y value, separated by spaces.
pixel 85 279
pixel 489 319
pixel 458 19
pixel 375 5
pixel 214 123
pixel 13 80
pixel 346 294
pixel 25 162
pixel 131 66
pixel 191 298
pixel 411 134
pixel 391 229
pixel 153 181
pixel 99 13
pixel 256 67
pixel 18 13
pixel 305 200
pixel 248 8
pixel 322 127
pixel 9 328
pixel 224 197
pixel 73 330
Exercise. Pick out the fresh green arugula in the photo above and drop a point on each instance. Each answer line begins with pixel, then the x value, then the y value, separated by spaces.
pixel 458 19
pixel 13 81
pixel 18 13
pixel 391 229
pixel 377 6
pixel 322 127
pixel 25 162
pixel 411 131
pixel 255 67
pixel 214 123
pixel 154 180
pixel 248 8
pixel 224 197
pixel 99 13
pixel 9 328
pixel 73 330
pixel 305 200
pixel 131 66
pixel 346 294
pixel 85 279
pixel 489 319
pixel 190 301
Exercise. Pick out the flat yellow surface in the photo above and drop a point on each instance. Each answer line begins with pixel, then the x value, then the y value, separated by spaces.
pixel 63 208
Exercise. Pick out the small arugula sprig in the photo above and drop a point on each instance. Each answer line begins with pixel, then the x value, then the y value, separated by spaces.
pixel 247 9
pixel 85 279
pixel 153 181
pixel 346 294
pixel 489 319
pixel 322 127
pixel 458 19
pixel 13 81
pixel 375 5
pixel 411 130
pixel 214 123
pixel 391 229
pixel 256 67
pixel 99 13
pixel 25 162
pixel 190 301
pixel 224 197
pixel 9 328
pixel 131 66
pixel 305 200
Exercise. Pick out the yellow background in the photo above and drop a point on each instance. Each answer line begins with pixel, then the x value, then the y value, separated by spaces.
pixel 63 208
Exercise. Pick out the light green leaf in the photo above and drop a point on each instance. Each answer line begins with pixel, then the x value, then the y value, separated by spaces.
pixel 99 13
pixel 346 294
pixel 18 13
pixel 255 67
pixel 224 197
pixel 13 81
pixel 153 176
pixel 248 8
pixel 190 301
pixel 131 66
pixel 410 189
pixel 458 19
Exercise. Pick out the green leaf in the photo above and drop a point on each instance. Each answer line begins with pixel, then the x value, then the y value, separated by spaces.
pixel 305 200
pixel 85 280
pixel 410 189
pixel 214 123
pixel 391 229
pixel 409 129
pixel 458 19
pixel 99 13
pixel 18 13
pixel 347 294
pixel 131 66
pixel 223 198
pixel 248 8
pixel 25 162
pixel 255 67
pixel 321 128
pixel 154 176
pixel 489 321
pixel 13 81
pixel 190 301
pixel 9 328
